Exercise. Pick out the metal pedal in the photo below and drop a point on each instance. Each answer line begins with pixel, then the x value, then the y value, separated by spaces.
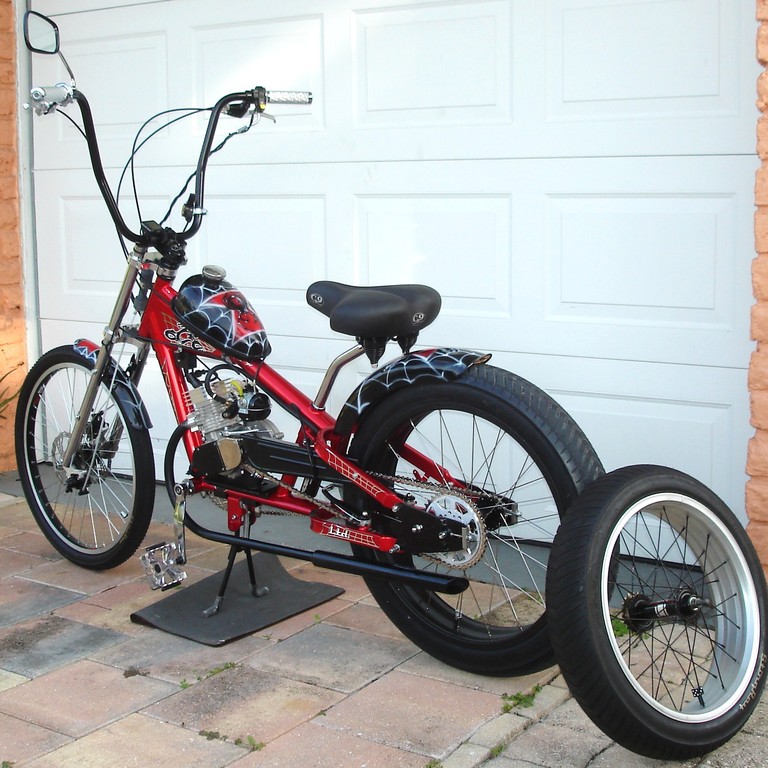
pixel 161 566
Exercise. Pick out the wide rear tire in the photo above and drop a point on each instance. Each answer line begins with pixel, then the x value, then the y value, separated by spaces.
pixel 520 460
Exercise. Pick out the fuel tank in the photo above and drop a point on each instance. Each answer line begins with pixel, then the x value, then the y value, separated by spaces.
pixel 218 313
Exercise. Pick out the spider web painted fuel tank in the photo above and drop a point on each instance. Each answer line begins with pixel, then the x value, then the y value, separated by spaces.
pixel 218 313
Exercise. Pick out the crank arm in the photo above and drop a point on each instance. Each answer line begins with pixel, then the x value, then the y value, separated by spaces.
pixel 162 562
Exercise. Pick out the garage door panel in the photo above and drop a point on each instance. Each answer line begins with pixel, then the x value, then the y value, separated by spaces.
pixel 432 239
pixel 80 261
pixel 674 415
pixel 435 80
pixel 620 59
pixel 81 264
pixel 649 259
pixel 119 101
pixel 432 64
pixel 270 245
pixel 104 64
pixel 693 436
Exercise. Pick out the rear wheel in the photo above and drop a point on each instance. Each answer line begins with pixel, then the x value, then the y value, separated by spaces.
pixel 98 515
pixel 514 461
pixel 657 608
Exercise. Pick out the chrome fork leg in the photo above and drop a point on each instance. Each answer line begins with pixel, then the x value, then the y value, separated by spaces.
pixel 121 305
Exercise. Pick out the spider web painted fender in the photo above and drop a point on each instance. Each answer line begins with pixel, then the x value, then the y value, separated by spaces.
pixel 123 388
pixel 444 364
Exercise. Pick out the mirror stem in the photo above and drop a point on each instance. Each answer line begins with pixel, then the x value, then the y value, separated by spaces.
pixel 69 71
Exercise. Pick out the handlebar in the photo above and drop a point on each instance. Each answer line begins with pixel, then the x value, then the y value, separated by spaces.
pixel 46 99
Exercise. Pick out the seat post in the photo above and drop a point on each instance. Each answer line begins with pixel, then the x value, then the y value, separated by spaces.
pixel 330 376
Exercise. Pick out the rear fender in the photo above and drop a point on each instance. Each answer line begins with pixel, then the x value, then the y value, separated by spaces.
pixel 123 388
pixel 444 364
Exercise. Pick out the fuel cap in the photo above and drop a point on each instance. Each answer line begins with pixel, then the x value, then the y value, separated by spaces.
pixel 213 274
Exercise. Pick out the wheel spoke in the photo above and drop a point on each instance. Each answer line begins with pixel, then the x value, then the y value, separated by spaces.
pixel 90 511
pixel 686 664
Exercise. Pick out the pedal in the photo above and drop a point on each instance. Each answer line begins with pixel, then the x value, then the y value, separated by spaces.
pixel 161 566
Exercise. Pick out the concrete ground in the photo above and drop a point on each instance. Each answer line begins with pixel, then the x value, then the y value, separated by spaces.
pixel 336 687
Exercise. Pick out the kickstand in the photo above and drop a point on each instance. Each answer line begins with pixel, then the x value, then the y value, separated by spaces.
pixel 255 590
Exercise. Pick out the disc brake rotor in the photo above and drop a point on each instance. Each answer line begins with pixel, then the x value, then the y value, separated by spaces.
pixel 461 510
pixel 58 446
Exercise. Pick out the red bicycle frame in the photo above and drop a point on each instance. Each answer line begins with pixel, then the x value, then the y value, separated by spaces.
pixel 166 335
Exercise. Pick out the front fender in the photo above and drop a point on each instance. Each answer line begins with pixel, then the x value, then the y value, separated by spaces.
pixel 444 364
pixel 124 390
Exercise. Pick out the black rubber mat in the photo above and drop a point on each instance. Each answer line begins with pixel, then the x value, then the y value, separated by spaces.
pixel 240 614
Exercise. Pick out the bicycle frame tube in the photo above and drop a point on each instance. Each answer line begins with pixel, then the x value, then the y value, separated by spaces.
pixel 166 334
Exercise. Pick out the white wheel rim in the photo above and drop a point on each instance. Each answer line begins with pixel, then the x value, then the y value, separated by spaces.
pixel 733 645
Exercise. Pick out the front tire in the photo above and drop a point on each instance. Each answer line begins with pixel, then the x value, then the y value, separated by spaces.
pixel 520 460
pixel 98 518
pixel 657 610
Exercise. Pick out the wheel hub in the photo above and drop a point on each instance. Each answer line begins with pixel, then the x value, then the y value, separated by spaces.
pixel 72 481
pixel 640 611
pixel 461 510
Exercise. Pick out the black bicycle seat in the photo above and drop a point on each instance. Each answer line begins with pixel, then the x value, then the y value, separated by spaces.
pixel 380 311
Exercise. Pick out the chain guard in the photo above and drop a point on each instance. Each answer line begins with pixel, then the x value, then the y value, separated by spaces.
pixel 445 502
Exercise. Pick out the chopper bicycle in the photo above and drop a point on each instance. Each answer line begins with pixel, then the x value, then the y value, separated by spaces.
pixel 448 478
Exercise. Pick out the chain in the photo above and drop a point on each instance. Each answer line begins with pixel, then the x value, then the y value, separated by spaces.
pixel 436 490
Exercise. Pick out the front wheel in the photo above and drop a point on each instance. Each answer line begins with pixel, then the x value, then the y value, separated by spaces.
pixel 97 515
pixel 657 610
pixel 498 454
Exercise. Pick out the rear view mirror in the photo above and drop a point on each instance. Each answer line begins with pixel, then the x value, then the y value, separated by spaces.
pixel 40 33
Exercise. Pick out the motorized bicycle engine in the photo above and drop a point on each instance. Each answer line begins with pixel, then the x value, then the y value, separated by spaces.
pixel 226 410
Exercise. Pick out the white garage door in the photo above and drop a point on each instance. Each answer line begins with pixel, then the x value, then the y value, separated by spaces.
pixel 574 176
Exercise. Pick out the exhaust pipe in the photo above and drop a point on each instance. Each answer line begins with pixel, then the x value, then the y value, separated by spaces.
pixel 434 582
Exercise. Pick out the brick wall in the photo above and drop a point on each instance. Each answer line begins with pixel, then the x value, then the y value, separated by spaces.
pixel 757 458
pixel 12 323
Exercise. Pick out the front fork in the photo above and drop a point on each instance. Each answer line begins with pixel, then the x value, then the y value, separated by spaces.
pixel 103 358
